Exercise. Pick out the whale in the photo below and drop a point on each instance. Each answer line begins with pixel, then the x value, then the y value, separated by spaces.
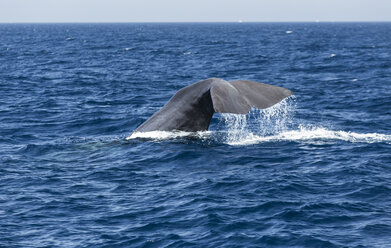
pixel 192 107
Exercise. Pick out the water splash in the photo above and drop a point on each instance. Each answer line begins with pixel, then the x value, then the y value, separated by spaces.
pixel 236 126
pixel 276 124
pixel 259 122
pixel 275 119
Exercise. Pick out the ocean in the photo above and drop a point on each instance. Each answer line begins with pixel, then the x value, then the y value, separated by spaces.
pixel 311 171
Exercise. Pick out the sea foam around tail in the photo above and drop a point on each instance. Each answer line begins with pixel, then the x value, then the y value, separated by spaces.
pixel 275 124
pixel 166 135
pixel 309 134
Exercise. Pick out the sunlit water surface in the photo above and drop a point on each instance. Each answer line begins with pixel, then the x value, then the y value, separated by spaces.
pixel 312 171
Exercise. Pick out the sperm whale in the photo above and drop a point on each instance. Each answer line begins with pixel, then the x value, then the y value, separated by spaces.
pixel 191 108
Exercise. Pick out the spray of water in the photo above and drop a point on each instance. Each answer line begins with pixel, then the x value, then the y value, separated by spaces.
pixel 275 119
pixel 236 126
pixel 259 122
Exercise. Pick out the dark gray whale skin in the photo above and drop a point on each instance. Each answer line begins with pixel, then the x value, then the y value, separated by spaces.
pixel 191 108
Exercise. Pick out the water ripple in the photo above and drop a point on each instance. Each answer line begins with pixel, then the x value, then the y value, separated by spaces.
pixel 312 171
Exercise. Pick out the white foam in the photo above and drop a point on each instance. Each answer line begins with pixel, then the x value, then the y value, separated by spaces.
pixel 274 124
pixel 313 134
pixel 332 55
pixel 165 135
pixel 288 31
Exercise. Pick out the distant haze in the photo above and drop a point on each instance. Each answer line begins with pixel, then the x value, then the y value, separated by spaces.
pixel 194 10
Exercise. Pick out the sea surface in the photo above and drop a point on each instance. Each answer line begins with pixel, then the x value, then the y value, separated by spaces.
pixel 312 171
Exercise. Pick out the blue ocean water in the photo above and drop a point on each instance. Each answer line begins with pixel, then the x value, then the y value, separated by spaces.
pixel 313 171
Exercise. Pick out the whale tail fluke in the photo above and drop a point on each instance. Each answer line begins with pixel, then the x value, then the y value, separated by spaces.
pixel 239 96
pixel 191 108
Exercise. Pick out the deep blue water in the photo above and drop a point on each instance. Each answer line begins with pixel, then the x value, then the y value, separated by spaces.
pixel 314 171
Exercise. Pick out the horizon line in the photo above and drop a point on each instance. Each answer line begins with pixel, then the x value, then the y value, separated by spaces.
pixel 157 22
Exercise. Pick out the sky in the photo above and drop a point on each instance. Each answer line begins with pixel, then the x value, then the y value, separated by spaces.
pixel 194 10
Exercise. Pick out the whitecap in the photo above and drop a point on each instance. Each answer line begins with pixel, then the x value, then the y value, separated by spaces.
pixel 288 31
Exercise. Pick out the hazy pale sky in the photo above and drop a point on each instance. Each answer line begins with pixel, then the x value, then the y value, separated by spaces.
pixel 193 10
